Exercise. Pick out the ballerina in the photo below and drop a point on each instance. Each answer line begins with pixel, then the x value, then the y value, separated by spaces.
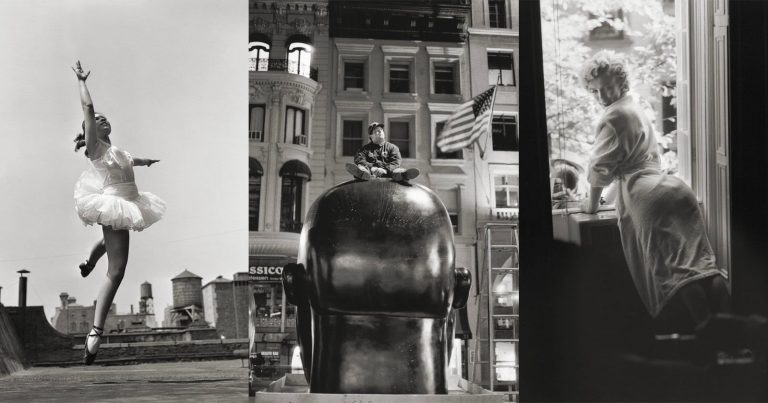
pixel 106 194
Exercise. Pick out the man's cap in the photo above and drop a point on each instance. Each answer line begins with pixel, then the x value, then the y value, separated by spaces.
pixel 373 126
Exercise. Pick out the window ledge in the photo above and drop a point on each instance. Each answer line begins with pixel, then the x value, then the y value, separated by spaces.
pixel 283 147
pixel 494 31
pixel 446 97
pixel 454 162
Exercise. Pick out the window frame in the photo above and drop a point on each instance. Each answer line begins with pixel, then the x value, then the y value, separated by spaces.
pixel 512 69
pixel 501 19
pixel 502 115
pixel 297 203
pixel 363 134
pixel 363 78
pixel 304 120
pixel 408 120
pixel 495 170
pixel 298 48
pixel 257 218
pixel 251 107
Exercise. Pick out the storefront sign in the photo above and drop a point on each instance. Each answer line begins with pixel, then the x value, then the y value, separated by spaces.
pixel 267 269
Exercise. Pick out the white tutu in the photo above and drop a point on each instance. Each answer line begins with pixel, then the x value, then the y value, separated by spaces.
pixel 120 205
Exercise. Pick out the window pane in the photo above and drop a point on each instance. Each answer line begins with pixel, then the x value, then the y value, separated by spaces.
pixel 441 155
pixel 256 123
pixel 399 136
pixel 295 132
pixel 496 14
pixel 299 58
pixel 352 137
pixel 354 75
pixel 504 134
pixel 290 204
pixel 399 78
pixel 500 69
pixel 444 82
pixel 254 195
pixel 506 190
pixel 259 56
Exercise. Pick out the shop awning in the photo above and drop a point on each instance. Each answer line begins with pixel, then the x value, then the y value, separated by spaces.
pixel 254 167
pixel 296 168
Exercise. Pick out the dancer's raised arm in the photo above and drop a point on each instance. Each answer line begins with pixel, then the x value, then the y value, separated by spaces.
pixel 89 115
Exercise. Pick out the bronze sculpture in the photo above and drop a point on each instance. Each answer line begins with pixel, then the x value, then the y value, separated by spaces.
pixel 375 288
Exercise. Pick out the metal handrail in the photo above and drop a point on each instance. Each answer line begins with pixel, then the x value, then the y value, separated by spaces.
pixel 263 64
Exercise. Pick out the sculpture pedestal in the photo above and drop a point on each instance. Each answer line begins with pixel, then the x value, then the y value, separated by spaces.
pixel 293 388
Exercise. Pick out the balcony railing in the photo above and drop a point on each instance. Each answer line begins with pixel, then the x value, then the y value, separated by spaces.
pixel 300 139
pixel 255 135
pixel 257 64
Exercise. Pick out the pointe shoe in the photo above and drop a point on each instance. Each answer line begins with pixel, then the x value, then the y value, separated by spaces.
pixel 89 357
pixel 358 173
pixel 406 175
pixel 86 268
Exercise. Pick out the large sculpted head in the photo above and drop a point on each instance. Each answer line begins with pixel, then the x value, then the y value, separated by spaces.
pixel 376 278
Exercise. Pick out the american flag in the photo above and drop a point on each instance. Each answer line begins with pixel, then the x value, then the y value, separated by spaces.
pixel 469 121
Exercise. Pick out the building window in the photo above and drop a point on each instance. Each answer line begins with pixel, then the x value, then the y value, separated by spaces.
pixel 501 69
pixel 352 137
pixel 256 123
pixel 506 189
pixel 354 75
pixel 255 172
pixel 294 126
pixel 299 58
pixel 607 29
pixel 439 126
pixel 399 78
pixel 294 174
pixel 399 135
pixel 445 80
pixel 450 198
pixel 504 133
pixel 497 15
pixel 258 53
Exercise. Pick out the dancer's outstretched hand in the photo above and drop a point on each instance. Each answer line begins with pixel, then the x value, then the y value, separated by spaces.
pixel 150 162
pixel 81 75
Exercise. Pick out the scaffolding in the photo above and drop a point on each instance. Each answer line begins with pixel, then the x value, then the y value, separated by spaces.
pixel 496 350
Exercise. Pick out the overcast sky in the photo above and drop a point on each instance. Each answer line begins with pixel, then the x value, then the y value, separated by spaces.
pixel 171 76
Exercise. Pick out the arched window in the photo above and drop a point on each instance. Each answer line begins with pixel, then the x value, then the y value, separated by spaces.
pixel 258 52
pixel 255 172
pixel 294 173
pixel 299 58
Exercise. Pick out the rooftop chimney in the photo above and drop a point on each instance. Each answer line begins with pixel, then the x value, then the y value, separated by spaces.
pixel 22 288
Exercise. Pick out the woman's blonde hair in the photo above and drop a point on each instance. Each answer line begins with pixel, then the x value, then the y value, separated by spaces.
pixel 605 64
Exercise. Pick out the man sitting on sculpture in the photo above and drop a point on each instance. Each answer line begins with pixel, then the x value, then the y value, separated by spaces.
pixel 379 159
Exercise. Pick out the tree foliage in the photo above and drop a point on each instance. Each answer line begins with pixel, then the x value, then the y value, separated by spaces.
pixel 647 48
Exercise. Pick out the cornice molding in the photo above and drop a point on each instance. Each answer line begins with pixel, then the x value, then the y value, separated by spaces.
pixel 437 107
pixel 354 47
pixel 445 51
pixel 353 105
pixel 494 32
pixel 388 49
pixel 400 106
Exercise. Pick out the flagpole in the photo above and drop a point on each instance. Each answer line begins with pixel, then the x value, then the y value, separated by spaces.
pixel 490 123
